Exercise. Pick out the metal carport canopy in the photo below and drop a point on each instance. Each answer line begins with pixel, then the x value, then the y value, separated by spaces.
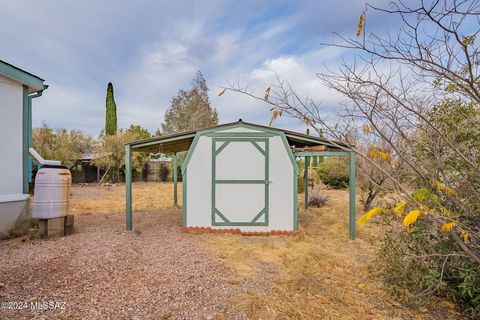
pixel 178 142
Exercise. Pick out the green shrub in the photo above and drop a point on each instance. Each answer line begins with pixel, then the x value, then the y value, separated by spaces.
pixel 333 173
pixel 415 265
pixel 300 186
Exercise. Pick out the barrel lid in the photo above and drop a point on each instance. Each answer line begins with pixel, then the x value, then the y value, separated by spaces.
pixel 51 166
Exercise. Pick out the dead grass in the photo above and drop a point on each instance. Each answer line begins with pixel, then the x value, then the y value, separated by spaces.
pixel 147 196
pixel 320 274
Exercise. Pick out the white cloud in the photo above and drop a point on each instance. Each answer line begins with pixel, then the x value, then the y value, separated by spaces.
pixel 299 71
pixel 150 50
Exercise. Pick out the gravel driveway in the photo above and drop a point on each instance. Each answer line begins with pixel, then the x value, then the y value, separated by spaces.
pixel 101 272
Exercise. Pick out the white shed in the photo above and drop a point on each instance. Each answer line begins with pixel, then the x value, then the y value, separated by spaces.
pixel 237 175
pixel 17 89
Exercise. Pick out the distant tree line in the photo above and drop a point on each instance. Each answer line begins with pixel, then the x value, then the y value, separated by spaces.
pixel 189 109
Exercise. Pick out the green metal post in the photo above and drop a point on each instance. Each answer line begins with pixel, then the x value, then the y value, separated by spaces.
pixel 305 181
pixel 295 200
pixel 175 180
pixel 128 187
pixel 184 199
pixel 351 189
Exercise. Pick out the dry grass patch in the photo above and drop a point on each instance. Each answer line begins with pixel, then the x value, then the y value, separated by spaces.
pixel 147 196
pixel 320 274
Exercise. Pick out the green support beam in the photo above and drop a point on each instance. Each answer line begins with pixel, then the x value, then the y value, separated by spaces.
pixel 321 153
pixel 351 190
pixel 305 180
pixel 128 187
pixel 175 180
pixel 295 200
pixel 351 180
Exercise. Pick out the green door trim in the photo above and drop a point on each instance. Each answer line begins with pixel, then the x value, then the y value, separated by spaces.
pixel 265 152
pixel 184 199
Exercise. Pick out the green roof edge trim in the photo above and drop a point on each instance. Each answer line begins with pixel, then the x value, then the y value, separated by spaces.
pixel 240 125
pixel 21 76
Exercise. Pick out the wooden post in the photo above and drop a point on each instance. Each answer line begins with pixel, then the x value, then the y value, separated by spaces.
pixel 305 181
pixel 351 189
pixel 175 180
pixel 128 188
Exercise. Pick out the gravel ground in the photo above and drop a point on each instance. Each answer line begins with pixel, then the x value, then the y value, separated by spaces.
pixel 101 272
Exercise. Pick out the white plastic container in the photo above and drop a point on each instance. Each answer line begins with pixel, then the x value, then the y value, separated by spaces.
pixel 52 191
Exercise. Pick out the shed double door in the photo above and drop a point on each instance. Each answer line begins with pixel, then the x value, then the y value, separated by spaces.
pixel 240 181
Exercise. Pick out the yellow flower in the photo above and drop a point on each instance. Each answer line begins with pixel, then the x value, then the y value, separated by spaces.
pixel 411 217
pixel 275 115
pixel 448 226
pixel 399 208
pixel 366 129
pixel 376 153
pixel 385 155
pixel 267 93
pixel 443 188
pixel 369 215
pixel 373 152
pixel 360 25
pixel 464 234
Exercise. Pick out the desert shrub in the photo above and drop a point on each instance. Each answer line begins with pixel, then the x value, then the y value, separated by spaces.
pixel 316 198
pixel 415 264
pixel 333 173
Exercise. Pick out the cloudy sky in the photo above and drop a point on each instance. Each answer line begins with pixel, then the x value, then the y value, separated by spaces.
pixel 151 49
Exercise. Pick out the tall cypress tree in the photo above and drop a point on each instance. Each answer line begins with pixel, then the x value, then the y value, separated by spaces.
pixel 111 112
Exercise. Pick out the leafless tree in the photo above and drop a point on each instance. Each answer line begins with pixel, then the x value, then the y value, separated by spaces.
pixel 392 85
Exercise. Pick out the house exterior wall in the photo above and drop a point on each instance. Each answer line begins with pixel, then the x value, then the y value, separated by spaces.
pixel 281 188
pixel 11 106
